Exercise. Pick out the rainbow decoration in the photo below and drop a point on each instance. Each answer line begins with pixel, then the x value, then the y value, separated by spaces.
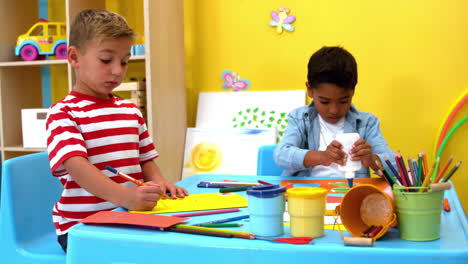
pixel 445 136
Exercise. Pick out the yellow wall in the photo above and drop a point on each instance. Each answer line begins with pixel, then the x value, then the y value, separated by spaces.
pixel 412 58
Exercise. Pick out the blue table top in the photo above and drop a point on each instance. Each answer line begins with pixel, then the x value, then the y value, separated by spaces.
pixel 128 244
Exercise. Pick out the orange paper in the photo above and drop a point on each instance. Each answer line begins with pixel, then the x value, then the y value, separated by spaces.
pixel 125 218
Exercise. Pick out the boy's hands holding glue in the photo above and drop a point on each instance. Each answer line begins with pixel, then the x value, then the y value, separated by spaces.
pixel 333 154
pixel 362 151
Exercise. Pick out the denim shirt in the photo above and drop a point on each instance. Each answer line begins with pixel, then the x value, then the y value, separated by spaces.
pixel 303 135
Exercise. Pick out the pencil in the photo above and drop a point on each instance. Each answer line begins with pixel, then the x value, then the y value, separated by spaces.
pixel 212 229
pixel 420 169
pixel 384 174
pixel 135 181
pixel 125 176
pixel 403 174
pixel 427 179
pixel 208 212
pixel 264 182
pixel 237 183
pixel 411 174
pixel 234 189
pixel 221 225
pixel 444 168
pixel 416 172
pixel 198 232
pixel 392 169
pixel 225 220
pixel 424 157
pixel 450 174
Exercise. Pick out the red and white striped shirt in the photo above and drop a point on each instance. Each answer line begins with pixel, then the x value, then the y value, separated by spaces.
pixel 106 132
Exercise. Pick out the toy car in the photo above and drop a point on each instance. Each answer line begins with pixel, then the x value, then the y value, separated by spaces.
pixel 43 38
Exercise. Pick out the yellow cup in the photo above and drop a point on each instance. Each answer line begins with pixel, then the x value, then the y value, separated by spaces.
pixel 306 207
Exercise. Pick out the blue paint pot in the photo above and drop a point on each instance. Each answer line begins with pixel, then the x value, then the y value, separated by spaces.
pixel 266 208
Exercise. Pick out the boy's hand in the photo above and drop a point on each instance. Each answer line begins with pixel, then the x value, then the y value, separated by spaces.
pixel 174 190
pixel 333 154
pixel 362 151
pixel 142 198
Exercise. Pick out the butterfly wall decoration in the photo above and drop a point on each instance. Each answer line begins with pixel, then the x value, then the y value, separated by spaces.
pixel 234 81
pixel 282 20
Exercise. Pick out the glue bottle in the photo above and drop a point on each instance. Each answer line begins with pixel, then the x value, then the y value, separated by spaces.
pixel 350 167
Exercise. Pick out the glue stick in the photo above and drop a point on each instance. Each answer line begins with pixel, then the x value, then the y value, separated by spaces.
pixel 350 167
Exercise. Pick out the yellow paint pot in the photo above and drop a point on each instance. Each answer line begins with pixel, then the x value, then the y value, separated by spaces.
pixel 364 206
pixel 306 207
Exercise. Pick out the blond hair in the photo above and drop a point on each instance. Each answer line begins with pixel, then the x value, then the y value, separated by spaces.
pixel 97 25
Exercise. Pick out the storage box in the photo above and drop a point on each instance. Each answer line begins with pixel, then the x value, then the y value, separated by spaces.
pixel 34 127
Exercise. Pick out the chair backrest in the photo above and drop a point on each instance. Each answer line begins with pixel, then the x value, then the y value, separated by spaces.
pixel 28 194
pixel 266 166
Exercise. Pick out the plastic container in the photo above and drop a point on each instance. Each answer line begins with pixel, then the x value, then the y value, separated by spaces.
pixel 350 168
pixel 306 206
pixel 419 213
pixel 266 208
pixel 364 206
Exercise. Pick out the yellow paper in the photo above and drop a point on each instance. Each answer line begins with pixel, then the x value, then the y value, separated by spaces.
pixel 198 202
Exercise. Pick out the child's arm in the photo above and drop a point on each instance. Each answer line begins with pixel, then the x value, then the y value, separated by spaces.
pixel 152 173
pixel 94 181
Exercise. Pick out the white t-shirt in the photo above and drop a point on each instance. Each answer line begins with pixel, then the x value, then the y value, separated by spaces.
pixel 328 133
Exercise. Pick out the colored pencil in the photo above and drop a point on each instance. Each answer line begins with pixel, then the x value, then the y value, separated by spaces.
pixel 403 177
pixel 208 212
pixel 444 168
pixel 289 240
pixel 392 169
pixel 198 232
pixel 450 174
pixel 237 183
pixel 221 225
pixel 212 229
pixel 217 185
pixel 234 189
pixel 264 182
pixel 410 171
pixel 382 175
pixel 420 169
pixel 424 157
pixel 217 233
pixel 135 181
pixel 416 172
pixel 427 179
pixel 125 176
pixel 225 220
pixel 391 180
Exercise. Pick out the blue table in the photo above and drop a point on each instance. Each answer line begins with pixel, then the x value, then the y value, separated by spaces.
pixel 126 244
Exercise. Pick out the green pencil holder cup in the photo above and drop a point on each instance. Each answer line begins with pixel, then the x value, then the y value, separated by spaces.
pixel 419 210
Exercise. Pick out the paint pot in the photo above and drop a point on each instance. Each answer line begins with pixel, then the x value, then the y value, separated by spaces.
pixel 418 212
pixel 266 208
pixel 364 206
pixel 306 207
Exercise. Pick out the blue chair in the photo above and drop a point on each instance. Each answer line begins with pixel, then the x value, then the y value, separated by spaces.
pixel 28 194
pixel 266 166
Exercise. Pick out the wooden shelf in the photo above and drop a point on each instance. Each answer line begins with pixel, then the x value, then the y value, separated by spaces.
pixel 159 24
pixel 20 148
pixel 32 63
pixel 52 62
